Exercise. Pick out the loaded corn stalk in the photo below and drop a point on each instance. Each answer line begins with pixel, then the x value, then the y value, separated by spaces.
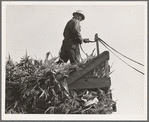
pixel 34 86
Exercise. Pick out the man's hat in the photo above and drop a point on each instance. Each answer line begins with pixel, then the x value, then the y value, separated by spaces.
pixel 80 13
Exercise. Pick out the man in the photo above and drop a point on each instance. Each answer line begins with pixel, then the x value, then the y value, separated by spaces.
pixel 72 39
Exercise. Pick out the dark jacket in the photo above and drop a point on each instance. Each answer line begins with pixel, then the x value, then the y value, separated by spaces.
pixel 72 31
pixel 72 38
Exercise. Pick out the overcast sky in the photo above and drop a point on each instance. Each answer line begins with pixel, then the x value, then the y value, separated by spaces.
pixel 39 28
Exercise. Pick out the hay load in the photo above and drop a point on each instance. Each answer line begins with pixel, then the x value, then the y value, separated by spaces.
pixel 37 87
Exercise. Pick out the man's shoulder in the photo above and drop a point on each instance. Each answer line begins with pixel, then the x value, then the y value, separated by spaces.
pixel 73 20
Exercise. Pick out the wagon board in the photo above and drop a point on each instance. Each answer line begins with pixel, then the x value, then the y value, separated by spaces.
pixel 81 80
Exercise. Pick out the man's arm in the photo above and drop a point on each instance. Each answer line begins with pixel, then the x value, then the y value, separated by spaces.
pixel 76 29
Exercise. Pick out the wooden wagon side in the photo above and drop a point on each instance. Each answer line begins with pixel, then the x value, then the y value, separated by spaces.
pixel 95 74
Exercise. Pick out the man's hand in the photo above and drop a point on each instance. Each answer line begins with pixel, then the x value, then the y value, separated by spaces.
pixel 86 40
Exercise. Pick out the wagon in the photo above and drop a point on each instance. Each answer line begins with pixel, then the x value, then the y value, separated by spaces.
pixel 95 73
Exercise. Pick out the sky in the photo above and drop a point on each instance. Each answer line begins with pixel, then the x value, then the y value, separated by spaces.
pixel 38 28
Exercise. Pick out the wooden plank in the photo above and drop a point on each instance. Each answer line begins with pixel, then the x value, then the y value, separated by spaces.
pixel 97 46
pixel 97 43
pixel 107 69
pixel 90 83
pixel 90 66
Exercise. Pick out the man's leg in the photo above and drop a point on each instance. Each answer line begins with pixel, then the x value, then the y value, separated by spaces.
pixel 63 54
pixel 77 54
pixel 74 54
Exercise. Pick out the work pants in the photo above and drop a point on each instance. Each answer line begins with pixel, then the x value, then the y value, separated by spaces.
pixel 70 51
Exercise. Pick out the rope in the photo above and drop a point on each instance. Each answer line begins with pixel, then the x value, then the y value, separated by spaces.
pixel 120 53
pixel 117 51
pixel 122 60
pixel 83 51
pixel 105 44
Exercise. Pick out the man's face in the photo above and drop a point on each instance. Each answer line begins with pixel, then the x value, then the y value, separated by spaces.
pixel 79 17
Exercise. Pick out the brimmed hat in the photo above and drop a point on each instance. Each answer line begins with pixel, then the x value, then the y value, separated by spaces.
pixel 80 13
